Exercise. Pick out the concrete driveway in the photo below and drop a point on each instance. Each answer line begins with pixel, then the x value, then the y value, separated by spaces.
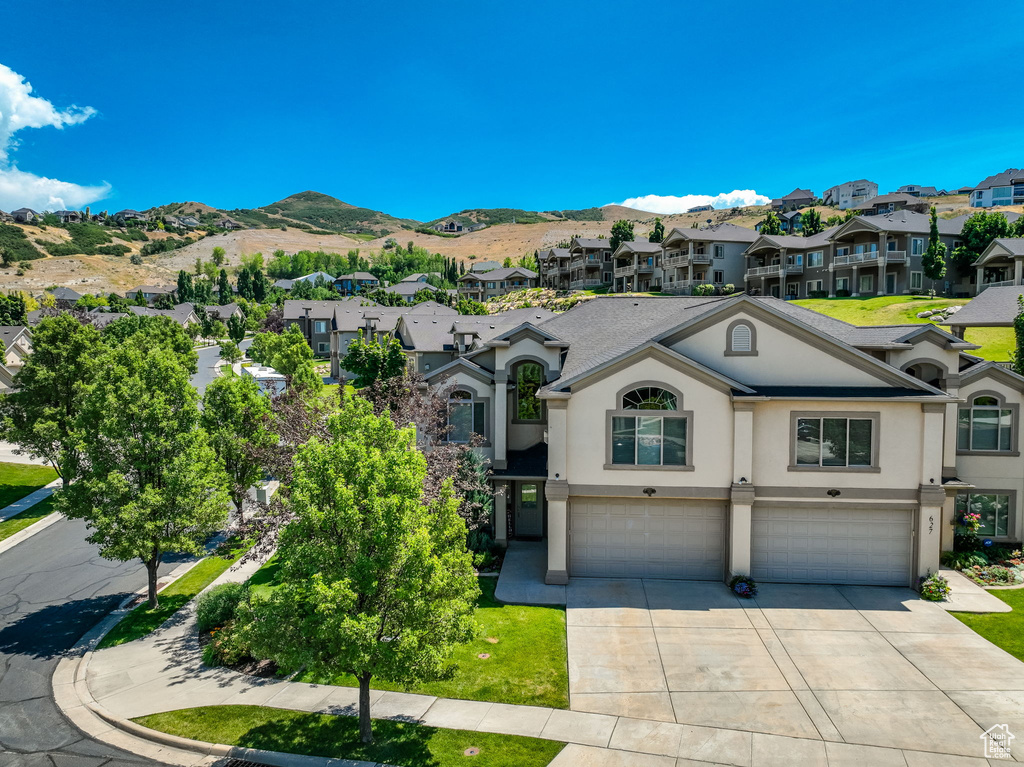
pixel 856 665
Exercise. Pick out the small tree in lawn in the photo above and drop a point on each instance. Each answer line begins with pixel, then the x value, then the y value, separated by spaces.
pixel 622 231
pixel 374 582
pixel 374 359
pixel 933 262
pixel 1018 335
pixel 39 414
pixel 771 225
pixel 235 416
pixel 236 328
pixel 146 481
pixel 658 232
pixel 230 353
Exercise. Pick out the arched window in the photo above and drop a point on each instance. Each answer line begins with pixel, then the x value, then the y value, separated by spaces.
pixel 741 339
pixel 986 425
pixel 529 378
pixel 466 416
pixel 657 438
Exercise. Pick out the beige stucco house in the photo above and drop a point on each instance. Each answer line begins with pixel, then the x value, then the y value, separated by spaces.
pixel 695 438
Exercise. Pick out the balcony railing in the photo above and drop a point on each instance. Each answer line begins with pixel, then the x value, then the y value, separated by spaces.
pixel 895 256
pixel 645 267
pixel 625 271
pixel 701 258
pixel 855 258
pixel 1001 284
pixel 764 271
pixel 674 261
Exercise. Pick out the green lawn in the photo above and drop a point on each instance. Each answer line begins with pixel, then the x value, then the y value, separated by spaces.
pixel 30 516
pixel 19 479
pixel 141 621
pixel 401 743
pixel 995 343
pixel 527 665
pixel 1005 630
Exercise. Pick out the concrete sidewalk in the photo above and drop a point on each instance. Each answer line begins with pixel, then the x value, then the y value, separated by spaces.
pixel 29 500
pixel 966 596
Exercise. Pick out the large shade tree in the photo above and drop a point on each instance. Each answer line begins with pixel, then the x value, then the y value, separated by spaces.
pixel 145 478
pixel 374 581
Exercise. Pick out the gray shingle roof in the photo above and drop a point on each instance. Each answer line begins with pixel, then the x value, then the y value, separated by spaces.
pixel 993 307
pixel 320 310
pixel 724 232
pixel 639 246
pixel 554 253
pixel 884 199
pixel 1002 179
pixel 588 242
pixel 501 274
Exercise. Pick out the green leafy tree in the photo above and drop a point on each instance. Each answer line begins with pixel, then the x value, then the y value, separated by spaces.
pixel 259 286
pixel 374 359
pixel 933 262
pixel 140 299
pixel 184 287
pixel 236 328
pixel 978 232
pixel 146 480
pixel 245 285
pixel 294 359
pixel 810 222
pixel 263 347
pixel 1018 335
pixel 218 256
pixel 658 232
pixel 235 416
pixel 230 353
pixel 622 231
pixel 771 225
pixel 163 301
pixel 39 414
pixel 158 331
pixel 223 288
pixel 374 581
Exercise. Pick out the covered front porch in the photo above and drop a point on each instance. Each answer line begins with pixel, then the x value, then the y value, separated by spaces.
pixel 520 510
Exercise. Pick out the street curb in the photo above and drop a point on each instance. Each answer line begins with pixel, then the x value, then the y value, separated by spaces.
pixel 28 532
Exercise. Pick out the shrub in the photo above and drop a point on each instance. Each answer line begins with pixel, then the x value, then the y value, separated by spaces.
pixel 217 606
pixel 728 289
pixel 842 293
pixel 743 586
pixel 703 290
pixel 817 294
pixel 933 587
pixel 226 647
pixel 994 575
pixel 136 259
pixel 961 560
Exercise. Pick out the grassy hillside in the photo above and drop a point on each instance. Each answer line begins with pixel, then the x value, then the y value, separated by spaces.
pixel 331 214
pixel 995 343
pixel 492 216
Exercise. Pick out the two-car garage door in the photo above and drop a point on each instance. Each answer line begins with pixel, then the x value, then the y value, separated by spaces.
pixel 637 538
pixel 832 545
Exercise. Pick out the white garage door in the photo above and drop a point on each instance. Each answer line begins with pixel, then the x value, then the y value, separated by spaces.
pixel 632 538
pixel 853 546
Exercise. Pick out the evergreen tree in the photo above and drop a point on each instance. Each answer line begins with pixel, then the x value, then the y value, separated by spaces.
pixel 259 286
pixel 224 288
pixel 658 232
pixel 245 285
pixel 184 291
pixel 933 262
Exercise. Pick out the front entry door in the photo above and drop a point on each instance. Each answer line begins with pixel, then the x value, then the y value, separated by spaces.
pixel 890 284
pixel 529 514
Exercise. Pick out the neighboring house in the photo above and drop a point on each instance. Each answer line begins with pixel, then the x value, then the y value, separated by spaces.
pixel 6 217
pixel 682 438
pixel 553 265
pixel 316 319
pixel 6 379
pixel 476 227
pixel 484 266
pixel 357 282
pixel 229 223
pixel 496 282
pixel 190 222
pixel 712 255
pixel 700 208
pixel 123 216
pixel 420 276
pixel 311 278
pixel 994 307
pixel 449 227
pixel 222 312
pixel 637 267
pixel 850 194
pixel 68 216
pixel 63 295
pixel 590 263
pixel 18 344
pixel 919 191
pixel 183 314
pixel 25 215
pixel 890 203
pixel 790 221
pixel 406 289
pixel 788 266
pixel 1006 188
pixel 150 292
pixel 269 380
pixel 798 198
pixel 1000 264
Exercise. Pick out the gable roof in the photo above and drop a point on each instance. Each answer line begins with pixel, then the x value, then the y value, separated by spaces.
pixel 723 232
pixel 554 253
pixel 590 242
pixel 884 199
pixel 900 221
pixel 500 274
pixel 65 294
pixel 987 368
pixel 993 307
pixel 791 241
pixel 1002 179
pixel 638 246
pixel 294 309
pixel 11 333
pixel 1002 247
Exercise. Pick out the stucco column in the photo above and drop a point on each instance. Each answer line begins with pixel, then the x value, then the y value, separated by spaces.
pixel 501 490
pixel 500 420
pixel 929 523
pixel 951 385
pixel 1018 271
pixel 948 512
pixel 740 513
pixel 557 494
pixel 855 281
pixel 557 431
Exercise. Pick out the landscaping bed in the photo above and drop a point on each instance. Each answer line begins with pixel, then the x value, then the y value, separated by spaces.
pixel 997 566
pixel 19 479
pixel 326 735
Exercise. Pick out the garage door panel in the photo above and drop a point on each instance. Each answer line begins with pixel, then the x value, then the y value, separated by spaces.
pixel 871 547
pixel 657 539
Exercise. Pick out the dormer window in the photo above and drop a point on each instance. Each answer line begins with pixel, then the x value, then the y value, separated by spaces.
pixel 741 340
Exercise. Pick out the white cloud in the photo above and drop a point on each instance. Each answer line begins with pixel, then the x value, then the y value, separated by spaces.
pixel 669 204
pixel 20 109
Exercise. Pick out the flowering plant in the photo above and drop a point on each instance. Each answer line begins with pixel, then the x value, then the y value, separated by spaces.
pixel 971 520
pixel 933 587
pixel 743 586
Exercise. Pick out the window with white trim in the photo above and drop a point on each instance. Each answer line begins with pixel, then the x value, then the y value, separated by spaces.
pixel 815 259
pixel 719 251
pixel 916 280
pixel 916 246
pixel 320 326
pixel 993 508
pixel 986 425
pixel 466 416
pixel 656 438
pixel 323 347
pixel 834 442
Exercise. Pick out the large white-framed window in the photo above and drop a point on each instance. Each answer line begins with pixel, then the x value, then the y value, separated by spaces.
pixel 995 510
pixel 987 425
pixel 814 286
pixel 323 347
pixel 466 416
pixel 320 326
pixel 916 246
pixel 815 259
pixel 842 283
pixel 719 251
pixel 916 280
pixel 648 430
pixel 834 441
pixel 867 283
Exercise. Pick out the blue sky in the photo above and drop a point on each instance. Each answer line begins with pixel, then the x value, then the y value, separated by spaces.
pixel 423 109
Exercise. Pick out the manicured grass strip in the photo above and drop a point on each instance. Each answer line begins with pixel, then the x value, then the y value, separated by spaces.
pixel 1004 630
pixel 29 516
pixel 401 743
pixel 141 621
pixel 19 479
pixel 528 665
